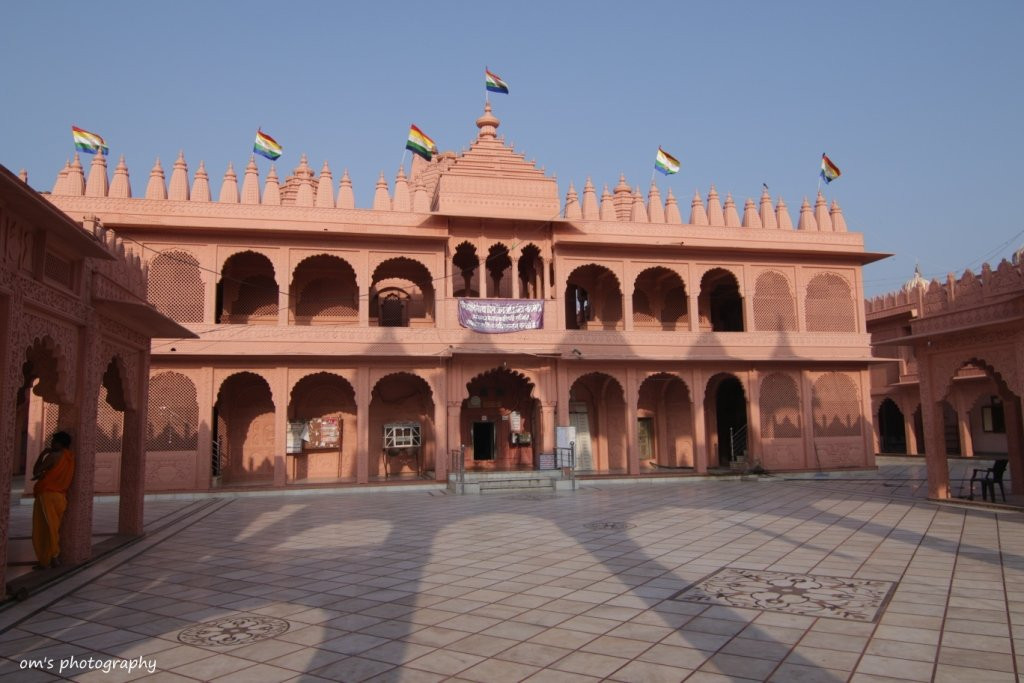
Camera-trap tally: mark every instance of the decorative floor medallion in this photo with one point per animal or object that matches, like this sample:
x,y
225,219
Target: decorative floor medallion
x,y
814,596
237,630
609,526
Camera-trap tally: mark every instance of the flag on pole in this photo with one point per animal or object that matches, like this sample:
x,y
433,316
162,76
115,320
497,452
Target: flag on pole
x,y
420,143
266,146
829,171
87,142
494,83
665,162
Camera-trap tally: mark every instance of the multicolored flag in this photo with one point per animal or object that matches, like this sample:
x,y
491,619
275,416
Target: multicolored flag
x,y
665,162
87,142
494,82
266,146
420,143
829,171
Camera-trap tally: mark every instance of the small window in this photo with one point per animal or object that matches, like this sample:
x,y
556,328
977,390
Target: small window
x,y
992,417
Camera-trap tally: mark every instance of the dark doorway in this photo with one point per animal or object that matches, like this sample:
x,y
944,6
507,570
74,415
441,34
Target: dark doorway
x,y
731,418
483,441
891,435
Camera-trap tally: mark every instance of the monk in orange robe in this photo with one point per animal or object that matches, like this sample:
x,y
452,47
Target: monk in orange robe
x,y
52,473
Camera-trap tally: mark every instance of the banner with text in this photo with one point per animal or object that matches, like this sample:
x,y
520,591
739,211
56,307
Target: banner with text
x,y
496,316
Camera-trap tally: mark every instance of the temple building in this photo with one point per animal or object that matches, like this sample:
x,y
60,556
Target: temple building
x,y
954,384
469,314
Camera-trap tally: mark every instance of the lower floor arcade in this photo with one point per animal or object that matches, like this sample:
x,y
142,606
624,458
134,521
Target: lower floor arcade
x,y
221,426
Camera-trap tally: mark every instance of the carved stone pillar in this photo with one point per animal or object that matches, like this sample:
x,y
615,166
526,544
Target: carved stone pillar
x,y
362,425
693,307
1014,422
280,426
754,450
454,430
910,434
10,381
547,428
934,439
963,422
632,440
132,486
440,434
700,437
811,460
79,418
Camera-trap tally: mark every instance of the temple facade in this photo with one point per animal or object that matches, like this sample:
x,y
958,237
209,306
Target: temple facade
x,y
471,313
953,382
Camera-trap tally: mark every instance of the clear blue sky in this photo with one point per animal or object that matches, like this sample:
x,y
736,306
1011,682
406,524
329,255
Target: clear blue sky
x,y
921,104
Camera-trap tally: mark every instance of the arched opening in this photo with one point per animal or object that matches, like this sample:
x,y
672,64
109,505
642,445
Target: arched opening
x,y
531,273
322,429
725,405
593,299
175,286
402,400
324,292
781,422
466,270
172,433
829,306
109,431
774,305
499,421
247,293
597,409
499,270
665,422
892,437
245,430
37,408
401,294
719,302
659,301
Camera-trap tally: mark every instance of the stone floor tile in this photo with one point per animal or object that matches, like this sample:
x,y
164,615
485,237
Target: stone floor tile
x,y
672,655
975,659
445,662
739,666
826,659
497,671
649,672
353,669
945,673
590,664
796,673
535,654
261,672
893,648
895,668
306,659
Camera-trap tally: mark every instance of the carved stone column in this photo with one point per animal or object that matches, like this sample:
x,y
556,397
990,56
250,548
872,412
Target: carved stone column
x,y
910,434
132,486
632,440
280,426
362,425
754,450
1014,422
700,437
934,439
10,381
963,421
79,418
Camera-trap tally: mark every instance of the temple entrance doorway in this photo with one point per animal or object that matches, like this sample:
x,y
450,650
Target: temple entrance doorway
x,y
892,436
500,420
483,441
725,404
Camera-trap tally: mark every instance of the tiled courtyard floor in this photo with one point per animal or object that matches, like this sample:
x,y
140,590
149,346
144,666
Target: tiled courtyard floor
x,y
698,580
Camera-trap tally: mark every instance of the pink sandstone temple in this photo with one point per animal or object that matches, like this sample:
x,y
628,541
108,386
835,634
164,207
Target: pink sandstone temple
x,y
331,342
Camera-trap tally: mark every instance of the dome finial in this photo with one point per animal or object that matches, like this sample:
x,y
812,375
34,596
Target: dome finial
x,y
488,123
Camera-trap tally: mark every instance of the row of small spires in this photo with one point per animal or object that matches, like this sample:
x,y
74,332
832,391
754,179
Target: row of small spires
x,y
628,205
304,188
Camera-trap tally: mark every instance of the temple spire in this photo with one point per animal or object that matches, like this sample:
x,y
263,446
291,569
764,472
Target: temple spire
x,y
272,188
402,200
381,199
75,182
325,188
821,216
838,222
304,195
178,189
346,197
420,200
573,211
97,185
806,218
782,215
767,215
639,211
61,181
155,188
201,184
698,214
655,210
591,211
607,206
120,186
751,219
251,182
732,219
672,214
623,199
229,187
715,216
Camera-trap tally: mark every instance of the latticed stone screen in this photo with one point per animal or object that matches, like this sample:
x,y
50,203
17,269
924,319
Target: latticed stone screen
x,y
780,407
58,269
327,298
50,413
176,287
836,405
109,426
774,306
829,305
173,419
